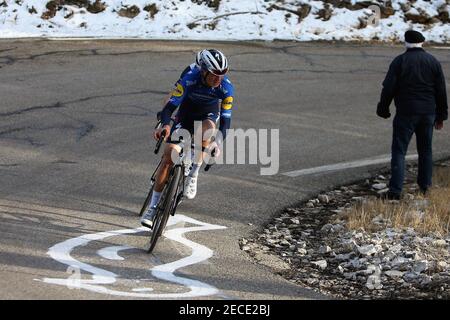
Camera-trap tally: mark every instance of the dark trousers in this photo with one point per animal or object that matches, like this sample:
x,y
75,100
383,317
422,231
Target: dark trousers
x,y
404,127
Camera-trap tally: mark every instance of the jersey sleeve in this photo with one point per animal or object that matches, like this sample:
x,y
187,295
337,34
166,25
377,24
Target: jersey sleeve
x,y
226,108
179,92
228,100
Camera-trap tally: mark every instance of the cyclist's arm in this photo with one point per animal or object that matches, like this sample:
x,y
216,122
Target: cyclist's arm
x,y
175,100
225,115
166,113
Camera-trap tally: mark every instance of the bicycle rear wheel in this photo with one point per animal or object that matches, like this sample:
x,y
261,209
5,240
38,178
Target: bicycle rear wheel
x,y
167,203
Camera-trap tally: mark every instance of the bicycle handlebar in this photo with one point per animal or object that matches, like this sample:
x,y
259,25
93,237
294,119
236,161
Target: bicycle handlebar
x,y
160,141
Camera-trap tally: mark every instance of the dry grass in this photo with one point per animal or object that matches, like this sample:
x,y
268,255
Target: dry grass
x,y
425,214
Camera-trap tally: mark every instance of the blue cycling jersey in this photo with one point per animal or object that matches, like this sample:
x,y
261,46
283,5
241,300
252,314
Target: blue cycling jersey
x,y
194,98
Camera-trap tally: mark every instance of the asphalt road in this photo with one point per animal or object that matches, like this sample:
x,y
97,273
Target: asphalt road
x,y
76,156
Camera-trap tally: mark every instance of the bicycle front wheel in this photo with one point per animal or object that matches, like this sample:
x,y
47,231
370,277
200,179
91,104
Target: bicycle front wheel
x,y
167,203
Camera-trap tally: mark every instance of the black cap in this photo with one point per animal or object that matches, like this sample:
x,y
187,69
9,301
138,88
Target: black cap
x,y
412,36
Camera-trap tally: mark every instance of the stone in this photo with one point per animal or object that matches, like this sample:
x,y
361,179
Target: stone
x,y
302,251
374,280
442,265
358,199
410,276
324,249
322,264
370,249
327,227
379,186
439,243
396,248
382,191
323,198
394,273
420,266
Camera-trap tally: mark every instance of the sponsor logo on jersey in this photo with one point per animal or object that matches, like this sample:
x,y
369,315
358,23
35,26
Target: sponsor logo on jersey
x,y
178,91
227,103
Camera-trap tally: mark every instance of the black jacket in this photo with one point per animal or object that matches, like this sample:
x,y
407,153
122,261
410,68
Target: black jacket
x,y
417,84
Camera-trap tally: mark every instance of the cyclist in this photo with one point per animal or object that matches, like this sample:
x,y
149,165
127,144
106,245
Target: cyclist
x,y
197,95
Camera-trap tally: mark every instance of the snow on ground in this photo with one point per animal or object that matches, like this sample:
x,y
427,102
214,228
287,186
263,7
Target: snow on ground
x,y
225,19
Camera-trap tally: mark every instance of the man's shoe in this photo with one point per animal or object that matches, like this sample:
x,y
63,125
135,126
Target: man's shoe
x,y
424,191
147,217
190,190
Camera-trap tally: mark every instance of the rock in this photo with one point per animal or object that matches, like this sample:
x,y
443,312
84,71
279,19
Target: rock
x,y
295,221
129,12
324,198
311,281
439,243
350,275
327,228
343,257
245,248
410,277
301,251
442,265
152,9
324,249
379,186
399,262
292,247
322,264
369,250
396,248
358,199
394,273
374,281
309,204
420,266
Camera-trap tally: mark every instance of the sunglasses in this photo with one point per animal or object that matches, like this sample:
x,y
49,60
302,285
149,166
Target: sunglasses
x,y
219,73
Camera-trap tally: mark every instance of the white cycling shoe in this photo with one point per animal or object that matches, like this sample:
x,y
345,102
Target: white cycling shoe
x,y
147,217
190,189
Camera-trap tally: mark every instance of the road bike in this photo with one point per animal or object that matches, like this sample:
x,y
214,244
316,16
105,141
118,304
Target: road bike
x,y
172,193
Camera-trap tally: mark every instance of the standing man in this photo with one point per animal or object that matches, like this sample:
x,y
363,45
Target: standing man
x,y
416,83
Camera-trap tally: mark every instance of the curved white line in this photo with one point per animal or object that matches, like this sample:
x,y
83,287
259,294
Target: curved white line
x,y
111,253
61,253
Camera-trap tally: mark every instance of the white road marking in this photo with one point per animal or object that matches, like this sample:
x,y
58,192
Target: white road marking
x,y
61,253
111,253
345,165
142,289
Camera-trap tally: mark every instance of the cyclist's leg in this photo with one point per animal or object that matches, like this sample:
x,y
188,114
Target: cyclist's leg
x,y
207,125
166,164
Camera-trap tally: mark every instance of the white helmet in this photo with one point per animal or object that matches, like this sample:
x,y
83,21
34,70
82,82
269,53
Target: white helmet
x,y
198,58
213,61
